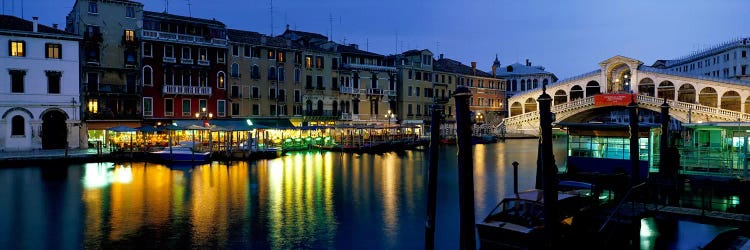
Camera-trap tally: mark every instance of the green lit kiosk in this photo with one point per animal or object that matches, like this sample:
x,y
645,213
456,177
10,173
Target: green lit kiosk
x,y
715,149
605,147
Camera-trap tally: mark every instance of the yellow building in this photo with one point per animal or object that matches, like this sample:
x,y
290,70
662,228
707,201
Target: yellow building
x,y
487,102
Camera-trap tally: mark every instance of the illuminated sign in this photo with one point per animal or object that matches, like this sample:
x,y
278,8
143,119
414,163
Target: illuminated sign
x,y
613,99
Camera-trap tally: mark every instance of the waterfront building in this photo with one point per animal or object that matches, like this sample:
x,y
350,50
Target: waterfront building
x,y
418,86
728,60
522,77
487,102
110,63
265,76
184,68
40,100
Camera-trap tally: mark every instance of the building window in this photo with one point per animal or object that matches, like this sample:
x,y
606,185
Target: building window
x,y
320,82
408,110
53,50
168,107
308,62
319,62
130,12
202,104
256,109
282,77
147,50
235,109
235,50
202,54
220,56
186,53
53,82
416,92
272,93
272,73
220,80
255,72
93,106
186,79
186,108
16,81
296,75
280,56
18,126
297,58
297,96
221,108
256,93
93,9
17,48
256,52
235,70
246,51
744,53
130,35
168,51
148,106
271,54
235,91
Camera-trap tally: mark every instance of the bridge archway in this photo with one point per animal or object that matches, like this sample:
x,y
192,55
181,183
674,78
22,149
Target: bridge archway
x,y
592,88
686,93
560,97
730,100
646,87
666,90
747,105
618,78
516,109
708,97
576,92
530,105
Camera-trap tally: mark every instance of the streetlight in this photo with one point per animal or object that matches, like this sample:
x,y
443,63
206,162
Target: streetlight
x,y
388,117
479,118
203,115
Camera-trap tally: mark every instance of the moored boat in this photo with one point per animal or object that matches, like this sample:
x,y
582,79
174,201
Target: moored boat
x,y
180,153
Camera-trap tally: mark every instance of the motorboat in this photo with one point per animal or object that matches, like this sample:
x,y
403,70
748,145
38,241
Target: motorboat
x,y
180,154
517,222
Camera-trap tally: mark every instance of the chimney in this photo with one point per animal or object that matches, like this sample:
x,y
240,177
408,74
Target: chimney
x,y
441,56
494,70
263,39
36,24
474,67
528,63
54,25
354,45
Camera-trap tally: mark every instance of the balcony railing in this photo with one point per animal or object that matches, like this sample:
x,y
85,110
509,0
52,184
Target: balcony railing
x,y
186,90
189,39
169,59
204,62
115,88
186,61
375,91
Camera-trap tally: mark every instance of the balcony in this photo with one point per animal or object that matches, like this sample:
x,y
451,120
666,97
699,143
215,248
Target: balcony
x,y
169,59
389,92
441,100
182,38
349,117
375,91
368,67
186,61
186,90
204,62
112,115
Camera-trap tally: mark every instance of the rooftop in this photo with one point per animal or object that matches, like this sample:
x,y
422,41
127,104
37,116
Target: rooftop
x,y
163,15
453,66
13,23
255,38
706,52
518,69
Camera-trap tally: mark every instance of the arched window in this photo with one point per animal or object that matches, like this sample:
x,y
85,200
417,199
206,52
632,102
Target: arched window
x,y
296,74
281,74
320,107
308,107
148,75
18,126
272,73
220,80
235,70
255,72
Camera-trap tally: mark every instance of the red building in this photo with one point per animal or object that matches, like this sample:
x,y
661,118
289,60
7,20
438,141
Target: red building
x,y
183,67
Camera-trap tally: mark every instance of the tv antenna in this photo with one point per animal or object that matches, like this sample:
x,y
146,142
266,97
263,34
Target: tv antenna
x,y
271,12
190,12
166,6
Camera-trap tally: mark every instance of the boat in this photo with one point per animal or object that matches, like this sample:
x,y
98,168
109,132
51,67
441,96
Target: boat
x,y
517,222
180,154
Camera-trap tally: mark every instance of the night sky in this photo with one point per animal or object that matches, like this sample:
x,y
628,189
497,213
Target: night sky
x,y
568,39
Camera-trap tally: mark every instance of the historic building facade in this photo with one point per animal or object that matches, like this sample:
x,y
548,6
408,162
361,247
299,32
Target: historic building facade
x,y
40,97
184,68
110,62
728,60
487,102
417,85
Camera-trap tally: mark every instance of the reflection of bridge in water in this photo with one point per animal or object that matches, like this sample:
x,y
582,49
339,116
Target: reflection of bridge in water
x,y
692,98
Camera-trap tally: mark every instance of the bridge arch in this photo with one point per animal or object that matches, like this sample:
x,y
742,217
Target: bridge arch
x,y
730,100
593,88
747,105
560,97
516,109
576,92
666,90
618,77
686,93
708,97
530,105
646,87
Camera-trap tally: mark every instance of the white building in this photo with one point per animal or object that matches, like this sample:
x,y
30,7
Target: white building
x,y
727,60
40,97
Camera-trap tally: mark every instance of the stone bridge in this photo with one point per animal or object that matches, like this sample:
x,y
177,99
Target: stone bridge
x,y
692,98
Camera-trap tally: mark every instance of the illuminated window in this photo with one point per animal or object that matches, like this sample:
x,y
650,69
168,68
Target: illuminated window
x,y
130,35
202,54
271,54
319,62
93,106
280,56
53,50
308,62
18,48
220,80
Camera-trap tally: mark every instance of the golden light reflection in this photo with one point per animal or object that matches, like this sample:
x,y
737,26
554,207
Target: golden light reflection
x,y
480,166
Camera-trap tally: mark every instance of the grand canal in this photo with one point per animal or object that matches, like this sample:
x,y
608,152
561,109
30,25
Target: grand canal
x,y
308,200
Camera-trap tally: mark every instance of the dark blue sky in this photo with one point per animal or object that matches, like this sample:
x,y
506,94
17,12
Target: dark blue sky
x,y
567,37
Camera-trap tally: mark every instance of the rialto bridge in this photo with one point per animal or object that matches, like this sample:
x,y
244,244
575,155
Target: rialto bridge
x,y
692,98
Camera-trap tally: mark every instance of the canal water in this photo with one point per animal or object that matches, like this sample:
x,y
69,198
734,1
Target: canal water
x,y
303,200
